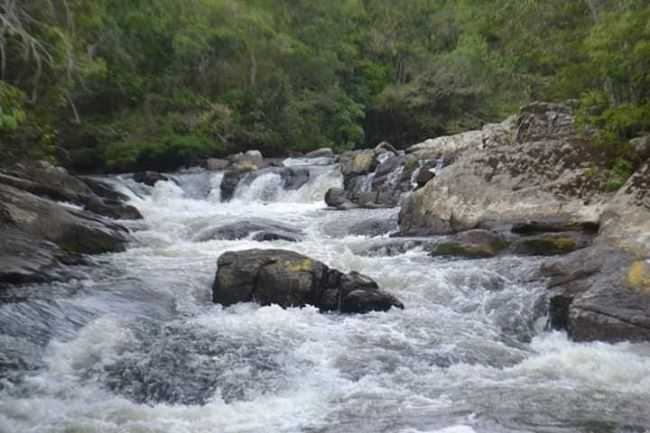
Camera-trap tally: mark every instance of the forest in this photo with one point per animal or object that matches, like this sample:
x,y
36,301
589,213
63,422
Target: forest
x,y
118,85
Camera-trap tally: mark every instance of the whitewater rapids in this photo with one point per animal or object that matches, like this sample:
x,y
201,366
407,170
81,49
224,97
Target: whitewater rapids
x,y
134,345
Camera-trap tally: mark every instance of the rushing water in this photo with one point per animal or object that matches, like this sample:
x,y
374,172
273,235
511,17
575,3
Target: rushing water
x,y
134,345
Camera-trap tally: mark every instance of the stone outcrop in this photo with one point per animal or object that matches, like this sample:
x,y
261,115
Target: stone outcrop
x,y
533,175
534,167
290,279
55,183
603,292
40,236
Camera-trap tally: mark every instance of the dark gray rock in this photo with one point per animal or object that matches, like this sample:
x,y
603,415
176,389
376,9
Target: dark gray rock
x,y
293,178
553,225
423,176
149,177
40,236
263,230
338,198
290,279
114,209
55,183
103,189
231,179
600,293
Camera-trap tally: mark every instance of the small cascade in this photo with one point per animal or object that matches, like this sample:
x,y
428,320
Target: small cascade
x,y
365,184
321,180
215,187
195,183
265,188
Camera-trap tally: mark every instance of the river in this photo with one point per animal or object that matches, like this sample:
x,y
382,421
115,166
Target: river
x,y
135,345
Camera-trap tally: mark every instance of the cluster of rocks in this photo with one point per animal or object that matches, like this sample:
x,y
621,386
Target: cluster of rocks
x,y
527,186
379,177
50,219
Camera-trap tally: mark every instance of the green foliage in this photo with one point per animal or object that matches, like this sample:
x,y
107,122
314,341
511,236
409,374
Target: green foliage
x,y
124,84
619,174
12,112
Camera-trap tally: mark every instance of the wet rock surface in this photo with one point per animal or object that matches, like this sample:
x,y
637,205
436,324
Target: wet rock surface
x,y
290,279
40,236
603,292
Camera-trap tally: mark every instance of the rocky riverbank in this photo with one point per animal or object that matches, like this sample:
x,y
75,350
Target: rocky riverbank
x,y
50,219
524,187
527,186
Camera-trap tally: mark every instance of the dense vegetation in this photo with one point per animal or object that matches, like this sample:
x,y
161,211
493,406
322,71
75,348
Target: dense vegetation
x,y
120,84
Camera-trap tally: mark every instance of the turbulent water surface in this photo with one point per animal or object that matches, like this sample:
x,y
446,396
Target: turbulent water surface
x,y
134,344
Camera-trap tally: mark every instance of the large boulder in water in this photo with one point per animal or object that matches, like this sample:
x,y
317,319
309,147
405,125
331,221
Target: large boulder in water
x,y
290,279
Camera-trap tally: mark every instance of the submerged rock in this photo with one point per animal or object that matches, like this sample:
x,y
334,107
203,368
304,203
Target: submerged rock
x,y
263,230
290,279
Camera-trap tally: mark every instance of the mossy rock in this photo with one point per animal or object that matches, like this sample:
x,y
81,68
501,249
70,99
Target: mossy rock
x,y
469,251
546,246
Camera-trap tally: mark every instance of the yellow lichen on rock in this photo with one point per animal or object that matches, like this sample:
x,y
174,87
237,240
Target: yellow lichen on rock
x,y
305,265
638,277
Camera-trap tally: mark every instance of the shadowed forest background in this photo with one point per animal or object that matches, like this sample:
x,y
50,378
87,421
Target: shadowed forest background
x,y
113,85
